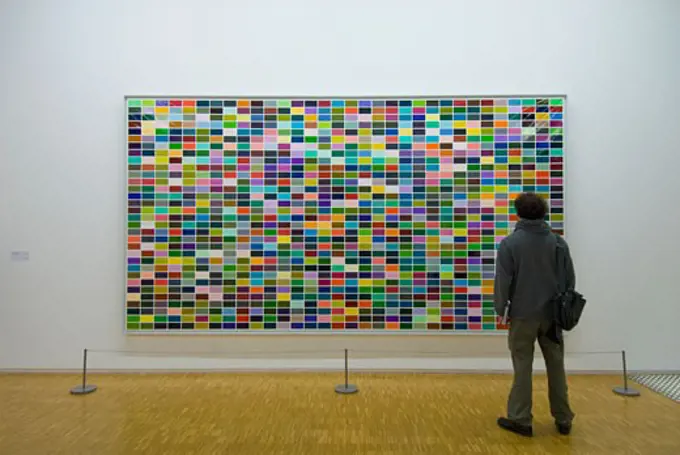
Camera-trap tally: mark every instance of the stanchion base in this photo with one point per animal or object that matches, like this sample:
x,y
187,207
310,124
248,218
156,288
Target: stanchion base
x,y
626,392
346,389
80,390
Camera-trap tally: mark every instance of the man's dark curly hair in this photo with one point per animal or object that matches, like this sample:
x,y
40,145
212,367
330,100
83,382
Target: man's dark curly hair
x,y
531,206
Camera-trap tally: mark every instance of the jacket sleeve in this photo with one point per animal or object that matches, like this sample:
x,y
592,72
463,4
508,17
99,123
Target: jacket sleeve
x,y
504,276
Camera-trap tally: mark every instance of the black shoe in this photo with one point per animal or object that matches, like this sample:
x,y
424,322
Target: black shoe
x,y
563,428
507,424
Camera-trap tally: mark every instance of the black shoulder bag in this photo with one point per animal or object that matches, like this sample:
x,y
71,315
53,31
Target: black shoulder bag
x,y
568,304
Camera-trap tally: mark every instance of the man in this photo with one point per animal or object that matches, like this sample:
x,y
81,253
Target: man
x,y
526,280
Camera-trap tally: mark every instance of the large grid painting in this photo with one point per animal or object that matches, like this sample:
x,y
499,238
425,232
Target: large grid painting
x,y
329,214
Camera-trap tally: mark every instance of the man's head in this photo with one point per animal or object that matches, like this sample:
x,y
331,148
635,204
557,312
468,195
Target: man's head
x,y
531,206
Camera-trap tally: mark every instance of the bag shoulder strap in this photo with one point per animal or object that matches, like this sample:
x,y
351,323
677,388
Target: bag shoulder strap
x,y
559,264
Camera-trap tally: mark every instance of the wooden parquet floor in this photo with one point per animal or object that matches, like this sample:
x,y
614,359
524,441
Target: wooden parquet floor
x,y
300,414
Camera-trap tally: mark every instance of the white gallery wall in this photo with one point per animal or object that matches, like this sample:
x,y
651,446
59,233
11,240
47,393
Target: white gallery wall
x,y
66,65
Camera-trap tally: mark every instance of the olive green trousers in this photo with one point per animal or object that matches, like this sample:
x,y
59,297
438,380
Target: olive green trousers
x,y
522,338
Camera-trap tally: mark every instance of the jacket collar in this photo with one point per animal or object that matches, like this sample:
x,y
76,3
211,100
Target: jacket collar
x,y
537,226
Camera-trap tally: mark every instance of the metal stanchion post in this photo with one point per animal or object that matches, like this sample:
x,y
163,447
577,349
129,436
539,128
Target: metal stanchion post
x,y
625,391
84,388
346,388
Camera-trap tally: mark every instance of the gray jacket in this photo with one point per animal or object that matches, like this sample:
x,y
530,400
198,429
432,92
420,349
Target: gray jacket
x,y
525,271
